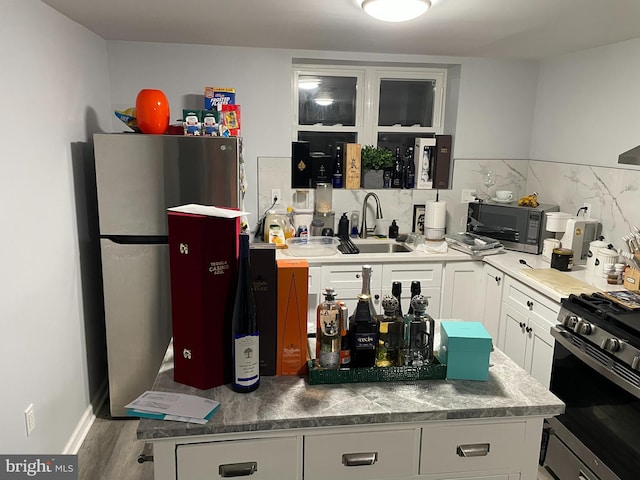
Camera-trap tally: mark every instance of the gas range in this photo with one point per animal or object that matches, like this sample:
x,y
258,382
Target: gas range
x,y
611,332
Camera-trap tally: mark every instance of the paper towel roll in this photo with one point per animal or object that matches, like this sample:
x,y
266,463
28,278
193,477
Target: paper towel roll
x,y
435,214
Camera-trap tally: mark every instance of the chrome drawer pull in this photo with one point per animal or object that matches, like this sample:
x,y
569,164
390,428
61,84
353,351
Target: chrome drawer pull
x,y
473,450
358,459
238,469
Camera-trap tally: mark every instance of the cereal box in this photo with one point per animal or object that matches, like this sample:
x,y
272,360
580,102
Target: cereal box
x,y
215,97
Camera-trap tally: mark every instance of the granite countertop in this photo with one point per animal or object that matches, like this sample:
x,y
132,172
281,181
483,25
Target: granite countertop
x,y
509,262
290,402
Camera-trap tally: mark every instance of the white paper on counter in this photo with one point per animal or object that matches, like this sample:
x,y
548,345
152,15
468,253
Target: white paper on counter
x,y
208,210
176,404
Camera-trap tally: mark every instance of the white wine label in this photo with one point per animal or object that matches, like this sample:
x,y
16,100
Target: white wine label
x,y
247,357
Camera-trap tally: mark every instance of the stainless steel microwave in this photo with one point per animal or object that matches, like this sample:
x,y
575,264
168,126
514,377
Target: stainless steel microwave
x,y
517,228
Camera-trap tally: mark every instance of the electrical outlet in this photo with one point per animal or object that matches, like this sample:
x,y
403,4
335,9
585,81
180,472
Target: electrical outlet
x,y
30,419
587,210
468,195
276,196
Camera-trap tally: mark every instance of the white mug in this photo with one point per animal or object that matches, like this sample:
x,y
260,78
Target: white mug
x,y
592,255
504,194
548,246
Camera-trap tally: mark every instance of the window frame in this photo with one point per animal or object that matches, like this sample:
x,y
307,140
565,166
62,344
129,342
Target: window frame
x,y
368,80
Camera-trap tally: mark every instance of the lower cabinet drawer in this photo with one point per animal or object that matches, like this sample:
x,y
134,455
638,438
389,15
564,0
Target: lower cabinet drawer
x,y
361,456
270,458
473,448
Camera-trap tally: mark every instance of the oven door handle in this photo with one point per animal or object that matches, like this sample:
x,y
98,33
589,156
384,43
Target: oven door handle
x,y
561,336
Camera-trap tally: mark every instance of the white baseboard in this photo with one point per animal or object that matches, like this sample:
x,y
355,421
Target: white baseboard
x,y
86,421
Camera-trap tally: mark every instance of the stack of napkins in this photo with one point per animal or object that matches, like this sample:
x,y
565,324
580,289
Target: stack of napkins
x,y
173,406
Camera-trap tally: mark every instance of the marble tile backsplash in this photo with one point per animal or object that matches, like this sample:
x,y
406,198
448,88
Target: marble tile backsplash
x,y
612,192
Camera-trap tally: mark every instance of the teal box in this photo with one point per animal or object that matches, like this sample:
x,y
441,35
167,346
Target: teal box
x,y
465,348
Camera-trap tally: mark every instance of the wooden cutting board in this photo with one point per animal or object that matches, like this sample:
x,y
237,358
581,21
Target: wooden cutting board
x,y
559,281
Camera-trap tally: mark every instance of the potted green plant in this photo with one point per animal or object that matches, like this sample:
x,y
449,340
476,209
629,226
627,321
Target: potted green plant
x,y
374,161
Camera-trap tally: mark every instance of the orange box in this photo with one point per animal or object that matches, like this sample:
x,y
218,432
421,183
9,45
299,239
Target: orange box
x,y
293,296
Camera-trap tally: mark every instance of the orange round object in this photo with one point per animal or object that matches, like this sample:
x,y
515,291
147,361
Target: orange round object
x,y
152,111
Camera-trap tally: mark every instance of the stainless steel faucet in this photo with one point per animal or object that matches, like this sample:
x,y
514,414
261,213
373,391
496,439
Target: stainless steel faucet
x,y
363,229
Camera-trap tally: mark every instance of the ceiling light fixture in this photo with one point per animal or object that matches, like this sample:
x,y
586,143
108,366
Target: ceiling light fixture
x,y
395,10
308,83
324,102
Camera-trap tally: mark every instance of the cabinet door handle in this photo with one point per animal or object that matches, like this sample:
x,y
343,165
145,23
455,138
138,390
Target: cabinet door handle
x,y
473,450
358,459
522,324
357,275
243,469
376,296
529,329
530,304
498,280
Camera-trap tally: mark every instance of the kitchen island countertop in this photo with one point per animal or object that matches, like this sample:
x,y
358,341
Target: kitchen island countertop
x,y
290,402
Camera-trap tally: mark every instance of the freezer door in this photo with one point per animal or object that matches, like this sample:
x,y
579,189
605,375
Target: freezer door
x,y
139,176
137,304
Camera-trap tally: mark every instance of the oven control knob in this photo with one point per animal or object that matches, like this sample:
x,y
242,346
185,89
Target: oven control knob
x,y
635,363
570,320
583,328
611,344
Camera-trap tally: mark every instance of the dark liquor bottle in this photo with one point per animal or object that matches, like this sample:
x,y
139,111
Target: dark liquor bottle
x,y
363,334
396,172
415,290
245,353
390,334
328,331
338,169
396,291
409,169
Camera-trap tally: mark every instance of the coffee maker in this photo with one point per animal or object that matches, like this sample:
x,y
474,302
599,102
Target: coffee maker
x,y
579,233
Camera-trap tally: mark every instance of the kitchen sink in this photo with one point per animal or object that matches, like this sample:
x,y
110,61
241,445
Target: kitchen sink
x,y
382,248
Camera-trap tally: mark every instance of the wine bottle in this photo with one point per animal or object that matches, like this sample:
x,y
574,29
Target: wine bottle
x,y
328,331
410,169
337,169
415,290
366,288
363,334
244,328
396,172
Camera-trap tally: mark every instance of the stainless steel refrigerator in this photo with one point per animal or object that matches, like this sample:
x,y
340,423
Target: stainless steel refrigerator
x,y
138,177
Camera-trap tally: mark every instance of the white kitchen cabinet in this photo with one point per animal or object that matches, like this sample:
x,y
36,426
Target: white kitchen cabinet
x,y
461,292
346,280
265,458
362,455
479,449
526,319
491,300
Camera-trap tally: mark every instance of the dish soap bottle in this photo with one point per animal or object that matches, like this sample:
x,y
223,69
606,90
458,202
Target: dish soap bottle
x,y
393,230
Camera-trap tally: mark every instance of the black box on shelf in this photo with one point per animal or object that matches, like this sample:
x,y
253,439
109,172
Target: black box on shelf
x,y
264,277
300,165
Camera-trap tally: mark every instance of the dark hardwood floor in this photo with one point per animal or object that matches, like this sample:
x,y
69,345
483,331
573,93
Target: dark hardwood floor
x,y
110,451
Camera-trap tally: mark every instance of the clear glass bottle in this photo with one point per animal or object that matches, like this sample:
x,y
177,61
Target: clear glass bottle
x,y
328,331
396,291
338,169
244,328
415,290
415,334
363,334
390,334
